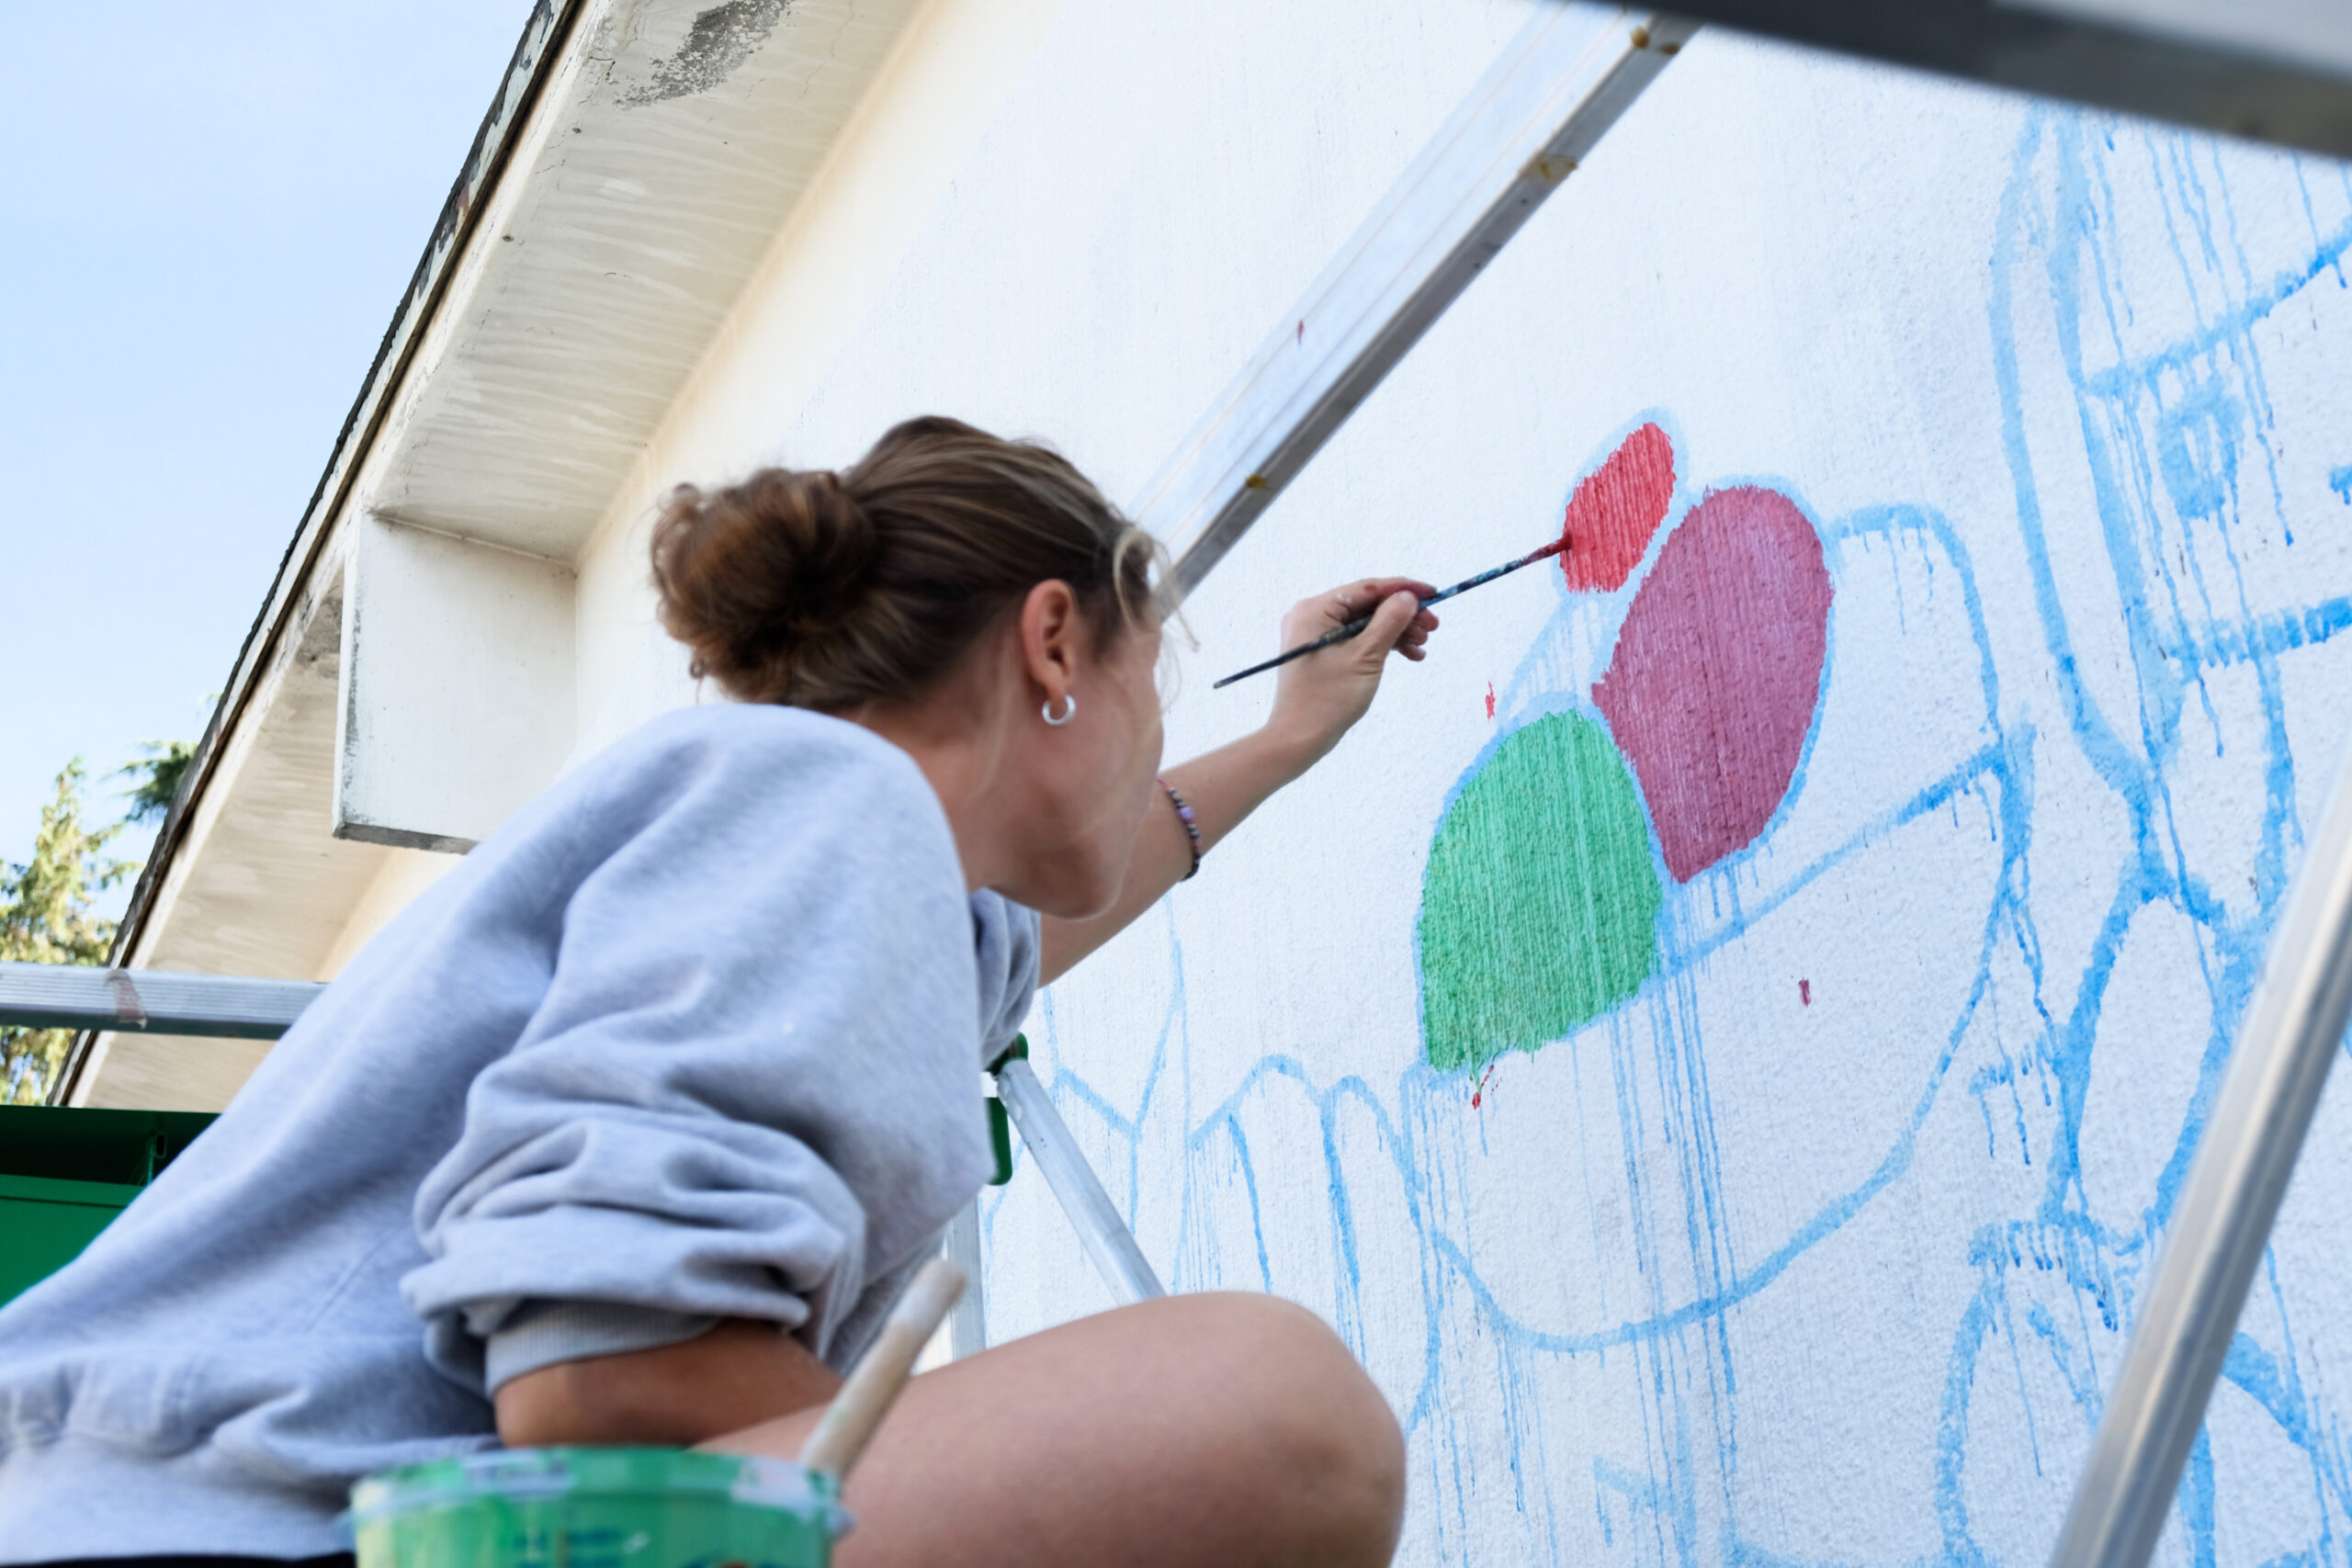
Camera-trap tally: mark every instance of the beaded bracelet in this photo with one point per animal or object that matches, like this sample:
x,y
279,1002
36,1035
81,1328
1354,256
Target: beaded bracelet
x,y
1192,828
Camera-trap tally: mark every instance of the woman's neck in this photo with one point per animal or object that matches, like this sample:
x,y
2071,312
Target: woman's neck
x,y
961,751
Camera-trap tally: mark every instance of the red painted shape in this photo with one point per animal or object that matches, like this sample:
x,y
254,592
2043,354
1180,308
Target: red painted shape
x,y
1479,1095
1717,670
1615,510
1490,699
1805,992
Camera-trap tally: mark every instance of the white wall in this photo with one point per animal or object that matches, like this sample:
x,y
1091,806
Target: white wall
x,y
946,78
1817,1247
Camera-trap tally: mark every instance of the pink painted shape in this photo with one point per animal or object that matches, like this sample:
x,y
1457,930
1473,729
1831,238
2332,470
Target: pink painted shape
x,y
1717,670
1615,510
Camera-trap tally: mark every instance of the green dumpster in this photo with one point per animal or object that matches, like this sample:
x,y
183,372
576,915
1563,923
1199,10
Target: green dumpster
x,y
64,1175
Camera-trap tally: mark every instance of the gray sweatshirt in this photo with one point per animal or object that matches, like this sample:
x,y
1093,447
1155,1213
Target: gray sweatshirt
x,y
696,1035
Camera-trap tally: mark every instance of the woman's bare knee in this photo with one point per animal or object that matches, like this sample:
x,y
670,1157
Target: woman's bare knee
x,y
1233,1429
1304,1443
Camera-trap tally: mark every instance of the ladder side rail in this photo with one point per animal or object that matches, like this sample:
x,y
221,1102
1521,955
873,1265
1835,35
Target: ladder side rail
x,y
1108,1242
1553,93
2286,1044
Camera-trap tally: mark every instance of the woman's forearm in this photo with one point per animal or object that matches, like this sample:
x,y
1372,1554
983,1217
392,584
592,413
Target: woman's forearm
x,y
736,1374
1316,700
1222,786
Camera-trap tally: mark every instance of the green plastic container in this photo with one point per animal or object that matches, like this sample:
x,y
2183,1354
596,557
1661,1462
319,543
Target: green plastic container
x,y
597,1508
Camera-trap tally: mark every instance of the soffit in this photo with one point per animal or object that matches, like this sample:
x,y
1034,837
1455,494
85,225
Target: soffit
x,y
262,887
659,174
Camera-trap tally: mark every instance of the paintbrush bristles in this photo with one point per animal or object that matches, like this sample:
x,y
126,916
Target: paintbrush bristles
x,y
1351,628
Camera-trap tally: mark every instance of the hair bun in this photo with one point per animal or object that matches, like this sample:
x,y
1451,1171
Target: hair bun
x,y
753,575
836,591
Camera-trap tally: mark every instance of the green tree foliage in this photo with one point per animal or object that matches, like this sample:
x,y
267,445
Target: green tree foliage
x,y
156,779
47,913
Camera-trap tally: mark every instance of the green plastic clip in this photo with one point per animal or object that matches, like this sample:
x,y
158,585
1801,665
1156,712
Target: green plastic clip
x,y
1000,1124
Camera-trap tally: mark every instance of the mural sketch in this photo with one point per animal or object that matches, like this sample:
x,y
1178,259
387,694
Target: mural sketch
x,y
1825,969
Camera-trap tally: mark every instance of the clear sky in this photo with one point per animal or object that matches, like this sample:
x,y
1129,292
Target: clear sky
x,y
210,213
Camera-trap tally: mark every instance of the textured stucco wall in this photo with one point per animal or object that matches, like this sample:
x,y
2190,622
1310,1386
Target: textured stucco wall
x,y
2003,563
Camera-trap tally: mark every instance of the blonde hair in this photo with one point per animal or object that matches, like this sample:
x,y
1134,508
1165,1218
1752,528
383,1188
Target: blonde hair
x,y
820,590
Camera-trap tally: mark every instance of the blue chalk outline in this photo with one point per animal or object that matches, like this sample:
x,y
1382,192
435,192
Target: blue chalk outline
x,y
2171,437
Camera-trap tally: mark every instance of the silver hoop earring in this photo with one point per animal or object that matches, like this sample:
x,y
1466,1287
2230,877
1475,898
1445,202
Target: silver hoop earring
x,y
1070,710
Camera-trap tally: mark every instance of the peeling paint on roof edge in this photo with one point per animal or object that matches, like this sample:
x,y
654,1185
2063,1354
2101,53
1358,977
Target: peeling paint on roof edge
x,y
720,40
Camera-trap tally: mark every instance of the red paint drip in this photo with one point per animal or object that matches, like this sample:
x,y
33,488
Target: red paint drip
x,y
1711,688
1490,699
1615,510
1804,993
1479,1094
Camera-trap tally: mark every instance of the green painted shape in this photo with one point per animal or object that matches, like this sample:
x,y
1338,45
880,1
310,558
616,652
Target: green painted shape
x,y
1538,909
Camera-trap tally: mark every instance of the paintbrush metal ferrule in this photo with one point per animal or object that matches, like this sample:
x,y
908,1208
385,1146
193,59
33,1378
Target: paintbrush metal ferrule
x,y
1343,632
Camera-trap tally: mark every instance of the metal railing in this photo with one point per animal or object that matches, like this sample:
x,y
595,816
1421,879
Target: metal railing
x,y
57,996
150,1001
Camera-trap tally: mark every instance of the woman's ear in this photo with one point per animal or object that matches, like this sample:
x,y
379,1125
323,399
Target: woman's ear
x,y
1052,638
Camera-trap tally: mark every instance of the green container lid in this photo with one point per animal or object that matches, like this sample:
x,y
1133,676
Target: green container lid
x,y
597,1508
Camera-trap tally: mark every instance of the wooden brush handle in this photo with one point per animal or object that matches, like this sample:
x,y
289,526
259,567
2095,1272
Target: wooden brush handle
x,y
848,1423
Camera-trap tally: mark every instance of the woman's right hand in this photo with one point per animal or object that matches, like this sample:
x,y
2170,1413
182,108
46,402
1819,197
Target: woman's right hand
x,y
1318,699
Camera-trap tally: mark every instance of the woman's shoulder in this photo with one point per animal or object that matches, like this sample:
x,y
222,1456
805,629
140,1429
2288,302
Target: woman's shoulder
x,y
727,769
762,725
766,741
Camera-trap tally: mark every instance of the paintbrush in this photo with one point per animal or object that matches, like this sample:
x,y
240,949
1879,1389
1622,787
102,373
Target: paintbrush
x,y
1342,633
842,1431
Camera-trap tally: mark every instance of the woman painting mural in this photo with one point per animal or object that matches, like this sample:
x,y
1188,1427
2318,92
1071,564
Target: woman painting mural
x,y
629,1128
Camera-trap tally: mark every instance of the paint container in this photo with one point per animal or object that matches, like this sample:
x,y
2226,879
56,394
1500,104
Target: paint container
x,y
597,1508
